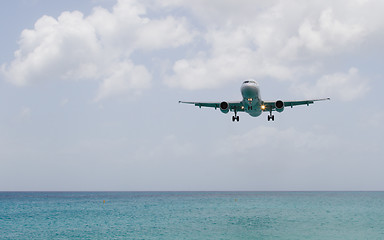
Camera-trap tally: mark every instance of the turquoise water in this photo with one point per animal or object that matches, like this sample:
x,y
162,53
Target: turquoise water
x,y
192,215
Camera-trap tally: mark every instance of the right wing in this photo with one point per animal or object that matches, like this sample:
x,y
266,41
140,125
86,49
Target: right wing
x,y
238,106
270,105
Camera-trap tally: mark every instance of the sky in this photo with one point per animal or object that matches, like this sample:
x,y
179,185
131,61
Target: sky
x,y
89,95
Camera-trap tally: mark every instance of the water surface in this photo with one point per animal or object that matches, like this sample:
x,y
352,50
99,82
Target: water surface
x,y
192,215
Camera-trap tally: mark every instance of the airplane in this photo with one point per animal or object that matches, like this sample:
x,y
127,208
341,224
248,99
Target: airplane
x,y
252,103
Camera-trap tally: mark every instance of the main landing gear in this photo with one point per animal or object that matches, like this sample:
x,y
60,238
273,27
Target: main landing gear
x,y
235,117
271,116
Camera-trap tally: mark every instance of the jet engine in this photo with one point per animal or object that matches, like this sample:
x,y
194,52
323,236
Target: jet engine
x,y
224,107
279,106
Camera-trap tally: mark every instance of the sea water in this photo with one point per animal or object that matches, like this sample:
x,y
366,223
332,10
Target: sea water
x,y
192,215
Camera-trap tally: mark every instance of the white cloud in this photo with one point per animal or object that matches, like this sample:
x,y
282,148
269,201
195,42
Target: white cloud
x,y
344,86
96,47
273,39
232,56
124,77
128,28
62,48
328,34
164,33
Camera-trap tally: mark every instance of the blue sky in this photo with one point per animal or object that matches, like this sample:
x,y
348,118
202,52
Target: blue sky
x,y
89,95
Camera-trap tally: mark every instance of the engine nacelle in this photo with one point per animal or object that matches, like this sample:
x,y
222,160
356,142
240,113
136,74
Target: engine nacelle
x,y
224,107
279,106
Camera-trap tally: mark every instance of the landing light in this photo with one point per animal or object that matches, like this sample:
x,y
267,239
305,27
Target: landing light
x,y
262,107
250,99
242,107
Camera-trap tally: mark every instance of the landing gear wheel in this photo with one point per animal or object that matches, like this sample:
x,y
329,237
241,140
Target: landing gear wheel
x,y
271,116
235,117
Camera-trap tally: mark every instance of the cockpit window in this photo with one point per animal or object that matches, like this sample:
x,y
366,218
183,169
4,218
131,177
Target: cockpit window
x,y
249,81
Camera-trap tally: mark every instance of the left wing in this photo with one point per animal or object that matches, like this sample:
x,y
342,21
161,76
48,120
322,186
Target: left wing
x,y
271,105
238,106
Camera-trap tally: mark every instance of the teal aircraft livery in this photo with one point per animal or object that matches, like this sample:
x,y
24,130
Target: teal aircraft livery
x,y
252,103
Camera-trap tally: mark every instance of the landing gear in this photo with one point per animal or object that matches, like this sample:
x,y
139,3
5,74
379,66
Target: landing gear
x,y
271,117
235,117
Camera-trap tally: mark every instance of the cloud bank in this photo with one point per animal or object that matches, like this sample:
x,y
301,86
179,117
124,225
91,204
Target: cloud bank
x,y
96,47
288,41
222,42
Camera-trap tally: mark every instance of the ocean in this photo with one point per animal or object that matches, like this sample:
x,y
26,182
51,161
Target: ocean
x,y
192,215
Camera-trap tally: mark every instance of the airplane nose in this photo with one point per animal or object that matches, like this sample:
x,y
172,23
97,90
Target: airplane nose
x,y
247,91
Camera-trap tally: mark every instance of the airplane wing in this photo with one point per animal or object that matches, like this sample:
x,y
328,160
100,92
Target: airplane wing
x,y
271,105
232,105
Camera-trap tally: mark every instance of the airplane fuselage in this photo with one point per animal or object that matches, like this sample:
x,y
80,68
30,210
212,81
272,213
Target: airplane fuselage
x,y
251,98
